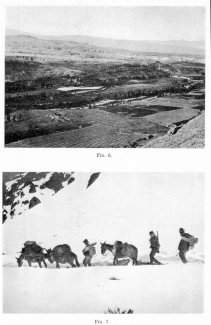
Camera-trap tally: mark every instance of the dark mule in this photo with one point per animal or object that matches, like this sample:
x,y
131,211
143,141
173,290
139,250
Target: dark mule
x,y
123,250
32,258
60,255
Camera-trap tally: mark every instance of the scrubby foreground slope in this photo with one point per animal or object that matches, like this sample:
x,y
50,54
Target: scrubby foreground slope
x,y
144,289
191,135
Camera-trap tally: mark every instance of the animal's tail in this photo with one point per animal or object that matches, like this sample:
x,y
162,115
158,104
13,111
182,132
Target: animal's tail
x,y
76,261
136,256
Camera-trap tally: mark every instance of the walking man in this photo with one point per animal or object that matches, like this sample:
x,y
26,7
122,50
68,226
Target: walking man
x,y
186,243
155,246
89,251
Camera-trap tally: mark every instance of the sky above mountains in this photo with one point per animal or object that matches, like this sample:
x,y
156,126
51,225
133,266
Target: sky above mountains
x,y
131,23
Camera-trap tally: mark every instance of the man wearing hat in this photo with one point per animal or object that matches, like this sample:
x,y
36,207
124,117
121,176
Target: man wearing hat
x,y
155,246
89,251
186,243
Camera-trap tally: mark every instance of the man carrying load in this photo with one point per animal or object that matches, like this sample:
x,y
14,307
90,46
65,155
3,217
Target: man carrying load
x,y
186,243
89,251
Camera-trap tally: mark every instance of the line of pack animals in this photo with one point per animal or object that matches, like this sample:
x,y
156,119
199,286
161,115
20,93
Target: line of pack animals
x,y
62,254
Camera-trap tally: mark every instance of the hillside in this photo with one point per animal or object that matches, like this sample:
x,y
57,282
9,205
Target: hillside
x,y
190,135
173,46
23,191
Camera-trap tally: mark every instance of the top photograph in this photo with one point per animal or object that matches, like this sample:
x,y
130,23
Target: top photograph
x,y
105,77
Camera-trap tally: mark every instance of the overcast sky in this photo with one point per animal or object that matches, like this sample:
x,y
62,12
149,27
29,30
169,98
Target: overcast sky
x,y
132,23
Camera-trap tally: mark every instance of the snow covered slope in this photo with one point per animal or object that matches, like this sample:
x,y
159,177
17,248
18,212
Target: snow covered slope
x,y
118,206
144,289
23,191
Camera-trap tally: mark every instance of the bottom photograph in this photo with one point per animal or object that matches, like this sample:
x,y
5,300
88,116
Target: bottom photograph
x,y
103,243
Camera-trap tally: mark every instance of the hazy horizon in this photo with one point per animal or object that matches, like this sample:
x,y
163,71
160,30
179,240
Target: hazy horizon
x,y
121,23
52,35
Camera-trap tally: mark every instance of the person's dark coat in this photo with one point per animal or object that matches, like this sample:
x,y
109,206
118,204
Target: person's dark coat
x,y
154,243
184,245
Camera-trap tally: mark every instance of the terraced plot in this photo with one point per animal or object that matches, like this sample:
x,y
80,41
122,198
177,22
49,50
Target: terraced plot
x,y
106,126
177,116
90,137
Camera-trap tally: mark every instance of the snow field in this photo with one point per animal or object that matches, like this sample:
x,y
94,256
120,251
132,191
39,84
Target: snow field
x,y
144,289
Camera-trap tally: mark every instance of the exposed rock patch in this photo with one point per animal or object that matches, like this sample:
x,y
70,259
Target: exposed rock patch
x,y
33,202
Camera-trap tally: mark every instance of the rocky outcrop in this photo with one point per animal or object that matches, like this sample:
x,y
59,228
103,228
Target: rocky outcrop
x,y
23,191
33,202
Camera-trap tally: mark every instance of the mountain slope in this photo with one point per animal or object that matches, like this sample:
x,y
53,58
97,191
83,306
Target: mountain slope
x,y
173,46
23,191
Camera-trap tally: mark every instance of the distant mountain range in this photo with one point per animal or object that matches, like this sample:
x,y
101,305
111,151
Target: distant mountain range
x,y
172,46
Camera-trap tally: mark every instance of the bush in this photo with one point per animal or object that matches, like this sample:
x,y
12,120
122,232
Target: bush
x,y
117,311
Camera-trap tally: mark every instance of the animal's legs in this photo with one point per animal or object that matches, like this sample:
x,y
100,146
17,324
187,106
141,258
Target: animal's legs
x,y
71,262
76,261
115,261
29,262
57,265
39,262
45,263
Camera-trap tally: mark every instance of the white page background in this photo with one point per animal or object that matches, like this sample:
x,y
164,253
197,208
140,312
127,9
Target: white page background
x,y
140,160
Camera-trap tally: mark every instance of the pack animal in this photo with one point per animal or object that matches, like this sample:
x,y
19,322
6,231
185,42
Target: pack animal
x,y
120,251
32,258
32,253
62,254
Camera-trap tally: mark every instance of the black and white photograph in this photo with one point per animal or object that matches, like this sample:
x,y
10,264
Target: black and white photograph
x,y
103,243
92,227
105,76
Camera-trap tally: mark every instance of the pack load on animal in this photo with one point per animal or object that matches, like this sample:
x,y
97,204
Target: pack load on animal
x,y
119,248
62,249
31,248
